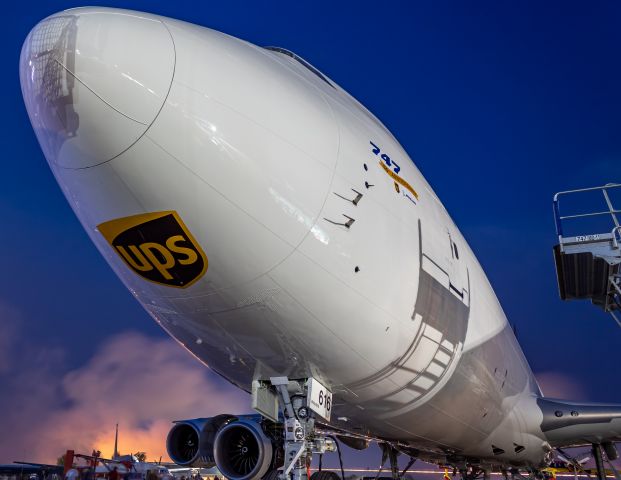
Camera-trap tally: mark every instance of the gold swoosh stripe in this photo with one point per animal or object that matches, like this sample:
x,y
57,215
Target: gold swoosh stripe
x,y
398,179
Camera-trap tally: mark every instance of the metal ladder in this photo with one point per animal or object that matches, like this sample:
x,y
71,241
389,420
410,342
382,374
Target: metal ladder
x,y
589,266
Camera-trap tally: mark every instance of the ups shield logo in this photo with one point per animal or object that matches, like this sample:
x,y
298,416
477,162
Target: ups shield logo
x,y
158,247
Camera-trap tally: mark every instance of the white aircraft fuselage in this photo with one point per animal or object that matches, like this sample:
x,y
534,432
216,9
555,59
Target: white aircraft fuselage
x,y
273,226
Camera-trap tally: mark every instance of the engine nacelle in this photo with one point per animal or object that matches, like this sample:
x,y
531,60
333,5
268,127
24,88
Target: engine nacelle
x,y
190,442
243,451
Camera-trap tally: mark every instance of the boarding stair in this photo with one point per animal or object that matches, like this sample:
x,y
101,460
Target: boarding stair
x,y
588,265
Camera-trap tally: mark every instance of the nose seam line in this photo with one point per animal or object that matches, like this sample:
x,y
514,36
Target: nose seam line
x,y
96,94
172,79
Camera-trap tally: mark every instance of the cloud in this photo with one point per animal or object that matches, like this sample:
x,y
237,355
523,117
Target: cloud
x,y
558,385
143,383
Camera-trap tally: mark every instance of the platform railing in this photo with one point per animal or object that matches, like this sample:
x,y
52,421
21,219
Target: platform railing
x,y
613,212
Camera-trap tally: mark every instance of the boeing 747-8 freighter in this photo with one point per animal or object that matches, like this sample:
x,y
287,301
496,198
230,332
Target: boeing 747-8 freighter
x,y
277,230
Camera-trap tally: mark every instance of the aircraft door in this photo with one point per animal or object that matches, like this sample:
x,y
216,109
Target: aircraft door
x,y
457,270
441,256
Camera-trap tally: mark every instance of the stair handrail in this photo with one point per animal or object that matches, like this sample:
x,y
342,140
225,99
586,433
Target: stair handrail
x,y
616,236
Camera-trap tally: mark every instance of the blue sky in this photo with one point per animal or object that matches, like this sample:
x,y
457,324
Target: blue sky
x,y
500,104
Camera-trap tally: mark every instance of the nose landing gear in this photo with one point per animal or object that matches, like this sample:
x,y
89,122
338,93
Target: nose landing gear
x,y
299,401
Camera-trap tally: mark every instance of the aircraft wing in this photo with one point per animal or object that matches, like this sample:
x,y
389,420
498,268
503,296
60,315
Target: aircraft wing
x,y
28,468
572,424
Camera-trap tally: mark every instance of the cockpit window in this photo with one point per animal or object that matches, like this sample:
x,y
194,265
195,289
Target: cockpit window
x,y
301,61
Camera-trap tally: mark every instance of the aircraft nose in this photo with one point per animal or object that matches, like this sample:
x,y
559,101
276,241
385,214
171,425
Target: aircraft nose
x,y
93,81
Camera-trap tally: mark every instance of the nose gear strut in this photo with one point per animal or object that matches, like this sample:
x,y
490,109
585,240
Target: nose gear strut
x,y
301,439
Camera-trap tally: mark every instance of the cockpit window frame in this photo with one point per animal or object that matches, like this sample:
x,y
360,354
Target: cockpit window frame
x,y
300,60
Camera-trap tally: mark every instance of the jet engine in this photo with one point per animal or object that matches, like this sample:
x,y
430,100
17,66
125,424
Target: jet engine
x,y
243,451
190,442
243,448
